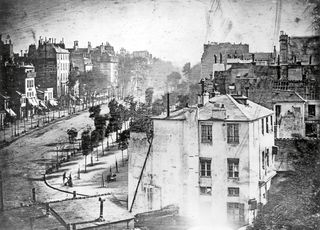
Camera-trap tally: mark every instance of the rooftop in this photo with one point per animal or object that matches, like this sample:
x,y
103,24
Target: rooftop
x,y
222,107
286,96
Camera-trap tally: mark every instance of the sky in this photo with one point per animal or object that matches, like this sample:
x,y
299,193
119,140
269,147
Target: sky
x,y
174,30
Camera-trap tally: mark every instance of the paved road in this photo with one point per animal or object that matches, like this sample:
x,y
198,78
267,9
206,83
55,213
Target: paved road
x,y
24,162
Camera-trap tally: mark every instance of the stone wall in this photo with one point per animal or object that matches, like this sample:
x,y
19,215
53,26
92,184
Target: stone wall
x,y
210,51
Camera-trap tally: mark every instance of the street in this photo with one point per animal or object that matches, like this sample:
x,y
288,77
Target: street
x,y
24,162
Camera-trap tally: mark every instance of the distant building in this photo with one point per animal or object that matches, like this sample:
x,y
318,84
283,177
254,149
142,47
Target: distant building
x,y
215,162
80,57
214,53
142,54
22,90
105,63
295,116
52,64
299,50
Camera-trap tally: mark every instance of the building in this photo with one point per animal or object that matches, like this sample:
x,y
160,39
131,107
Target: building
x,y
289,109
105,62
215,162
52,65
214,53
299,50
80,57
22,90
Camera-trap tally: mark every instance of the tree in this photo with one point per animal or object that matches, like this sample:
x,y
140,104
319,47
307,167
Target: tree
x,y
186,70
183,100
72,133
149,95
86,145
173,80
293,199
94,111
316,16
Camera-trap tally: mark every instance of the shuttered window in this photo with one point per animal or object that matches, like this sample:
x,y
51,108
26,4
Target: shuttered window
x,y
233,133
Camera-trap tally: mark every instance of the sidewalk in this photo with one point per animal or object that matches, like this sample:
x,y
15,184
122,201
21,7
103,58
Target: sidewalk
x,y
23,126
94,180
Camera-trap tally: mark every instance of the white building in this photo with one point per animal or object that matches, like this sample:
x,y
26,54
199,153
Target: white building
x,y
295,116
214,162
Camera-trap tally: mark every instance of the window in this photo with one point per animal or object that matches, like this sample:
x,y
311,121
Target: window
x,y
29,83
262,126
263,161
267,125
205,190
271,123
233,168
233,133
205,167
233,191
311,110
267,157
235,212
206,133
278,111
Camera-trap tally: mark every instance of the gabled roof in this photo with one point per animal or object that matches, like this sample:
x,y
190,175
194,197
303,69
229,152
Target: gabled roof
x,y
286,96
234,111
222,107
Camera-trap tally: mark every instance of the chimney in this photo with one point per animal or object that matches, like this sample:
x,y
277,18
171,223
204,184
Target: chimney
x,y
75,45
168,105
205,98
310,59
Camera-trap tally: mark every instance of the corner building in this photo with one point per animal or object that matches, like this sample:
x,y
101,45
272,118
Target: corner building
x,y
214,162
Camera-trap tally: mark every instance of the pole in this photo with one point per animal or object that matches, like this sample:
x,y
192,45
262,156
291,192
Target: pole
x,y
122,156
18,126
85,163
11,129
98,153
1,193
101,209
24,124
102,148
79,172
4,133
15,127
34,194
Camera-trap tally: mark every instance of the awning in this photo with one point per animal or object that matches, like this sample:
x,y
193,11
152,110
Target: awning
x,y
11,113
42,104
32,101
53,102
73,98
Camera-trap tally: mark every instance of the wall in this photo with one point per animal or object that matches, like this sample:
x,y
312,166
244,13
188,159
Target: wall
x,y
137,151
209,50
291,121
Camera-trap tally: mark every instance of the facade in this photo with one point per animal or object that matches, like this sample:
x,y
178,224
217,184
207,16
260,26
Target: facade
x,y
302,50
52,66
105,62
80,57
21,89
219,53
214,162
289,109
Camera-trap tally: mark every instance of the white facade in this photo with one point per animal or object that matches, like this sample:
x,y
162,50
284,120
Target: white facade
x,y
63,69
209,161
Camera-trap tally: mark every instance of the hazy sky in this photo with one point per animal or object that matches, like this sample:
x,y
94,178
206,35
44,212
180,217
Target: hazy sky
x,y
174,30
